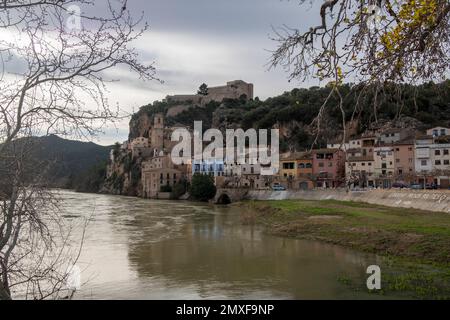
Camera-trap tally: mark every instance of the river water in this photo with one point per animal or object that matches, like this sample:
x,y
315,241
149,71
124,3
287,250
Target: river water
x,y
147,249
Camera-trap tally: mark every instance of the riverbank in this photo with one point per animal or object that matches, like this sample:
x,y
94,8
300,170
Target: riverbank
x,y
415,244
427,200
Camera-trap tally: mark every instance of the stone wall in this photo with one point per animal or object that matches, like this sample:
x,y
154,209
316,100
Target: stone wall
x,y
233,194
431,200
176,110
232,90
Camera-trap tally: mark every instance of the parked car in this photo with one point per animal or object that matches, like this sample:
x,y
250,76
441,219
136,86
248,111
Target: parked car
x,y
399,185
278,188
416,186
431,186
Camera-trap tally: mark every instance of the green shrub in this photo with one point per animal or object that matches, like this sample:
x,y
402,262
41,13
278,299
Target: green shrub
x,y
166,188
202,187
179,189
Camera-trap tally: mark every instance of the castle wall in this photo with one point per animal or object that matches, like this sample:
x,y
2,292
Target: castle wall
x,y
232,90
194,98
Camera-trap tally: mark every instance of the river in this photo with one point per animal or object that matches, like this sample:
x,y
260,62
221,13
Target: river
x,y
147,249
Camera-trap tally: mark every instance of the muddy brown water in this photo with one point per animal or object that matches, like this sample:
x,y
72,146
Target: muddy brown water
x,y
147,249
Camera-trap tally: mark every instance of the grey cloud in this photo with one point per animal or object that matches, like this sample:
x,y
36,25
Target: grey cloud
x,y
212,41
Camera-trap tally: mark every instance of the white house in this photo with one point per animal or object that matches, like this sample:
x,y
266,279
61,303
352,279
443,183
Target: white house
x,y
438,132
384,161
423,159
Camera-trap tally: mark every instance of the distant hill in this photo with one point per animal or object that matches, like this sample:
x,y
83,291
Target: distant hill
x,y
63,160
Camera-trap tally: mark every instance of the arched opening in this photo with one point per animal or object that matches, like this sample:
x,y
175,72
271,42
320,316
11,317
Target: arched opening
x,y
224,199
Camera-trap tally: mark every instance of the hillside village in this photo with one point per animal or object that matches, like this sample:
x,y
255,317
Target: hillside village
x,y
383,158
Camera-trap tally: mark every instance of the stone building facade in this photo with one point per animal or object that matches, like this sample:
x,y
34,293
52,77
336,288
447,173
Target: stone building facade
x,y
157,132
329,167
232,90
160,171
404,165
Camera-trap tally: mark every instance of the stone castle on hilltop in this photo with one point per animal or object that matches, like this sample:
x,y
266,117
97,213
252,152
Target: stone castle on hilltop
x,y
232,90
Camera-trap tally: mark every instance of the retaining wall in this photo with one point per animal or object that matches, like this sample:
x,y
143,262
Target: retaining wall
x,y
431,200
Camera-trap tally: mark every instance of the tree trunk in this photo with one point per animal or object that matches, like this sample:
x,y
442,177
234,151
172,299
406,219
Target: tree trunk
x,y
4,295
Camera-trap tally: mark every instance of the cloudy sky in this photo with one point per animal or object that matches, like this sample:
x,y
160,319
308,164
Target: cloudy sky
x,y
211,41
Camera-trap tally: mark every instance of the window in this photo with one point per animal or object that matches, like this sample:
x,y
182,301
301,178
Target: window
x,y
445,152
321,165
370,164
397,160
424,162
442,132
288,165
437,152
447,162
363,164
438,162
330,164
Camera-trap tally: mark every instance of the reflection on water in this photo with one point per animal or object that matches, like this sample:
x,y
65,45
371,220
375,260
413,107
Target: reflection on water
x,y
145,249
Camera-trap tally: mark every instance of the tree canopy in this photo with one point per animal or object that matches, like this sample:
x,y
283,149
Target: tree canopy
x,y
369,41
203,90
202,187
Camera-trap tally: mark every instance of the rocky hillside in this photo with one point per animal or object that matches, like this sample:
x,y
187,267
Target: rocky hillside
x,y
125,175
294,113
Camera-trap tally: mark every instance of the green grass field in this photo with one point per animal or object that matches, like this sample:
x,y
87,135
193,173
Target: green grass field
x,y
415,243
